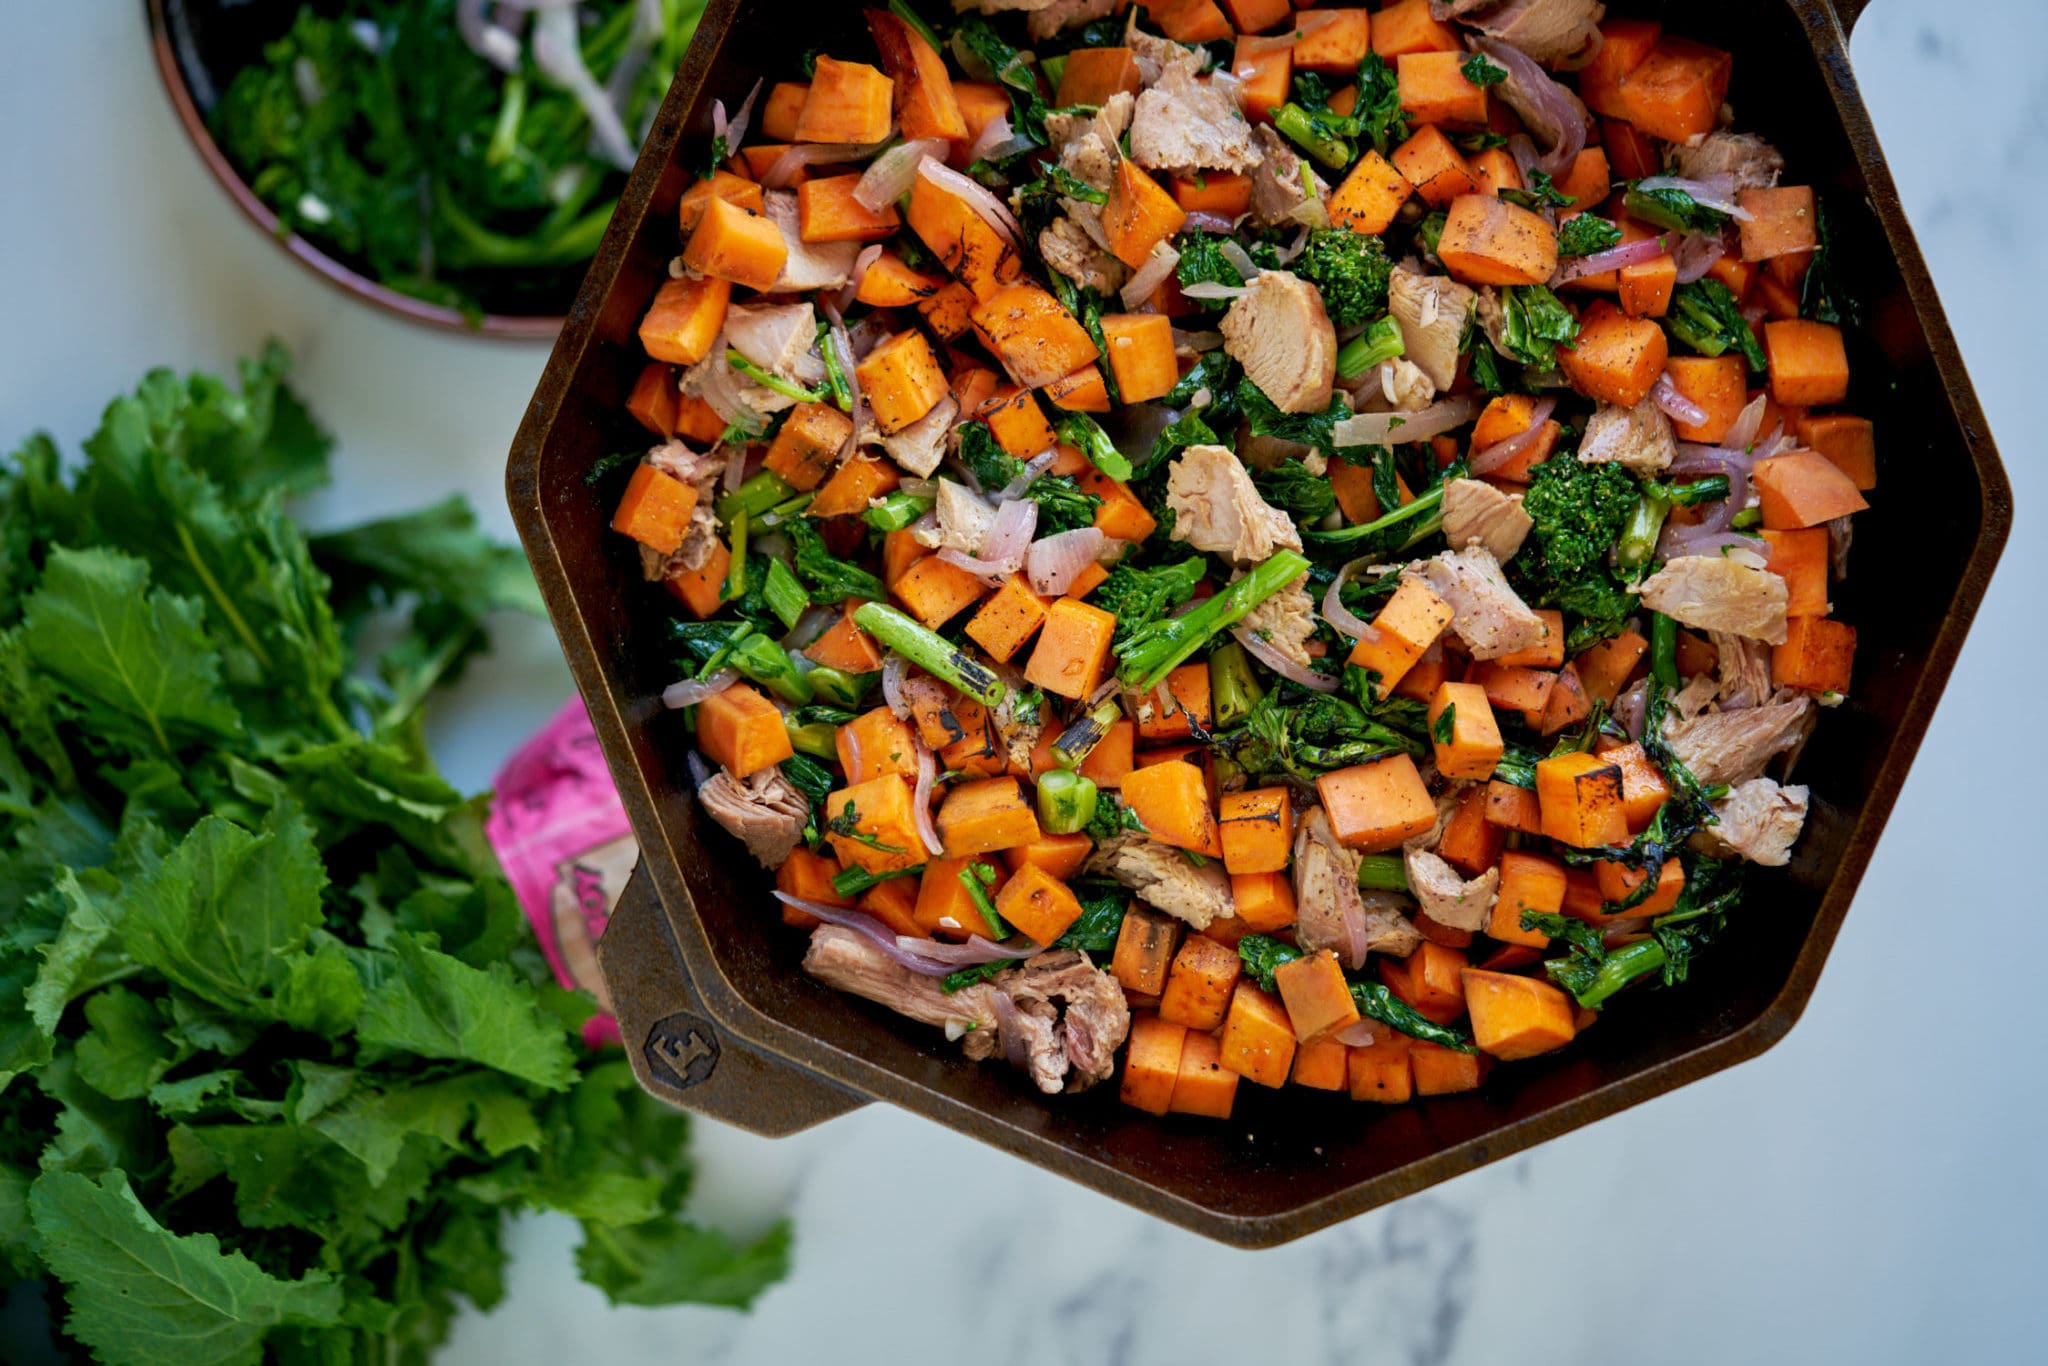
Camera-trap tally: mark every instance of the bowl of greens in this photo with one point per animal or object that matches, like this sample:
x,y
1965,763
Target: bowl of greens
x,y
451,161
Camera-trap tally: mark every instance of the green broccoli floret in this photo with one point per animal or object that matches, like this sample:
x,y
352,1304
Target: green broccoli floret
x,y
1350,269
1579,511
1137,596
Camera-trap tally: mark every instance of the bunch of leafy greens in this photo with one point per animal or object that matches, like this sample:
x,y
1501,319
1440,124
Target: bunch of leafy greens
x,y
373,130
277,1055
1578,511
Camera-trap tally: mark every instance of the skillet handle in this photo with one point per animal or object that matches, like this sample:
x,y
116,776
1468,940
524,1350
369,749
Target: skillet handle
x,y
1847,12
678,1054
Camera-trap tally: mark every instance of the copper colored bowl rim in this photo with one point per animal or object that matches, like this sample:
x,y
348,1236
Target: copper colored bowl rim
x,y
515,326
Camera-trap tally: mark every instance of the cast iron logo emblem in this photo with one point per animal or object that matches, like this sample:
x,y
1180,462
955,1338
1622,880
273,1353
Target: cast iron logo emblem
x,y
682,1050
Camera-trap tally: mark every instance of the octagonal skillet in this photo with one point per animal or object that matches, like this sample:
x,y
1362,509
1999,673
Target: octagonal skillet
x,y
719,1017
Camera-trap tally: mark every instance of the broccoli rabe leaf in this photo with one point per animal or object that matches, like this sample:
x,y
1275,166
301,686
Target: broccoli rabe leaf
x,y
1822,296
1482,72
1586,235
1673,209
1306,429
1291,733
832,578
1535,323
1290,487
1705,316
1102,916
1378,106
1202,262
1136,597
1349,269
982,456
1061,504
1542,193
1111,819
1262,955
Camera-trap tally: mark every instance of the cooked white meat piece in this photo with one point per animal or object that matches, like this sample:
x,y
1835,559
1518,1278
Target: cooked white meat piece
x,y
1490,618
1751,162
1068,249
678,461
1286,621
1447,898
920,447
810,265
715,375
963,520
1840,531
1392,386
1477,513
1162,877
1431,311
1186,124
1733,746
1001,6
1725,592
1548,30
1218,509
1158,54
1744,666
1639,439
1108,123
1759,821
776,337
1280,333
1072,1015
700,538
849,961
765,811
1329,909
1061,15
1277,187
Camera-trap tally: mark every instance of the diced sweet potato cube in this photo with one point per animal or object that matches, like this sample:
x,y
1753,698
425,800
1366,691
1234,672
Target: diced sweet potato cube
x,y
1258,829
1643,788
1434,90
1038,904
1018,423
702,589
902,380
1037,340
894,903
1317,997
1848,442
1140,351
1008,619
1199,984
1139,215
876,743
1084,391
860,479
1580,795
1513,808
1371,196
1434,167
1205,1087
1377,806
1073,646
1528,882
1264,901
1676,92
1320,1065
1379,1071
1605,668
1800,558
732,244
1093,74
1617,358
1517,1017
1473,747
808,876
1184,709
1471,843
737,190
1121,516
685,319
1258,1040
808,446
945,906
1060,855
1441,1071
1817,655
1407,26
1489,241
1809,365
1332,41
884,834
936,592
1618,882
984,816
1264,68
655,509
1406,626
1172,799
1568,704
827,212
742,730
781,110
979,257
1804,489
926,105
1152,1064
847,102
1144,950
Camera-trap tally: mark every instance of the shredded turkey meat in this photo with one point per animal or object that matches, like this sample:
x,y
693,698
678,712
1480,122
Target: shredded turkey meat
x,y
1279,331
1748,160
1759,821
1161,875
810,265
1733,745
1278,189
1060,15
1489,617
962,518
765,811
1548,30
1477,513
1744,666
1068,249
1074,1018
1730,592
849,961
1445,897
1286,621
1639,439
1431,311
1218,509
920,447
1189,125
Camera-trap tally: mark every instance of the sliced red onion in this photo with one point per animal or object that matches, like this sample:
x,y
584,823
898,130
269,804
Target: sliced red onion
x,y
862,263
1579,61
1743,430
815,621
1213,289
976,950
860,922
1269,655
1340,616
1201,220
921,800
1715,192
1614,258
1009,535
1385,429
1352,919
1035,466
736,131
1054,563
699,768
1289,253
1629,708
991,210
992,573
691,691
1015,1051
793,159
486,39
1552,113
1196,343
888,178
1675,541
1360,1035
842,347
993,134
1676,406
1158,268
1240,260
895,669
1697,252
558,52
1692,458
1772,444
1501,453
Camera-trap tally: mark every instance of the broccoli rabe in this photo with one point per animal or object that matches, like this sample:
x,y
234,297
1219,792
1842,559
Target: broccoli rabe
x,y
1308,121
1379,342
1407,525
1535,323
1587,234
1673,209
1202,262
1349,269
1305,429
1378,106
1578,511
833,578
1288,734
1705,316
1152,651
1137,597
1291,488
1061,504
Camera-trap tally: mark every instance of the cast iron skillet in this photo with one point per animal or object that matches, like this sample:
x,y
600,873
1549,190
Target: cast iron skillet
x,y
718,1015
199,46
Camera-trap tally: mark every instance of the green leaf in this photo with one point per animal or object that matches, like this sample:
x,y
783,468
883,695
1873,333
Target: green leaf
x,y
141,1294
20,1256
669,1261
137,664
223,915
124,1052
284,1175
85,952
439,1007
437,552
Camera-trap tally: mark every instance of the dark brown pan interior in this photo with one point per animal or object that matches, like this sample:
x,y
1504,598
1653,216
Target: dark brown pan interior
x,y
1292,1161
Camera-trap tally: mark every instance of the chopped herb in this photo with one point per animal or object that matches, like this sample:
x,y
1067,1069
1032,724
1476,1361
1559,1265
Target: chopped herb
x,y
1482,72
846,825
1587,235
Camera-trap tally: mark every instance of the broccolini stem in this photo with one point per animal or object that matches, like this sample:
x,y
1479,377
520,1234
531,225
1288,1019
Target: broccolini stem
x,y
1156,649
736,573
1297,124
1638,541
897,511
1077,741
768,379
931,652
1379,342
836,381
1623,966
1664,649
764,491
1081,430
1383,873
1233,689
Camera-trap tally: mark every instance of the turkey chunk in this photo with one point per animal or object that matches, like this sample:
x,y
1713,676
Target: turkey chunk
x,y
1491,619
1749,161
1218,509
1548,30
1445,897
1162,877
1186,124
1278,191
1732,746
1731,593
1759,821
1639,439
1431,311
1477,513
1280,333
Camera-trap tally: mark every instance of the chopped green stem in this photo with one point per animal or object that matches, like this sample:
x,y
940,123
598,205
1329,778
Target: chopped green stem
x,y
1157,648
1664,649
931,652
817,739
736,572
1298,126
785,594
768,379
1379,342
902,10
1077,741
836,381
762,661
505,134
1233,688
764,491
1712,489
858,881
1638,541
977,892
1081,430
897,511
1621,967
1383,873
1066,801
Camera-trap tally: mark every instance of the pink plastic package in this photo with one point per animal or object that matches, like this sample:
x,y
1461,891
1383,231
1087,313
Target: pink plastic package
x,y
568,849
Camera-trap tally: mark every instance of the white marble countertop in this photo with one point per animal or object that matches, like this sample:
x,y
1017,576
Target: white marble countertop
x,y
1871,1190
